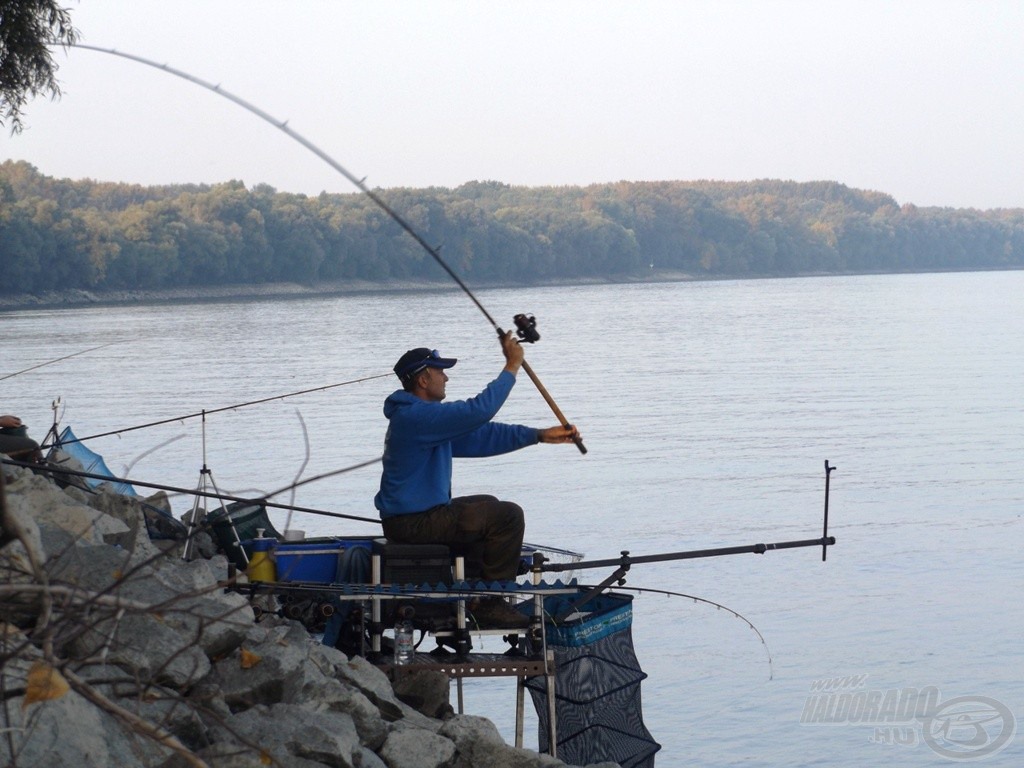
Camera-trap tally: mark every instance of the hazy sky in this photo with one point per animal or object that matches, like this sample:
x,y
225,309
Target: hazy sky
x,y
922,100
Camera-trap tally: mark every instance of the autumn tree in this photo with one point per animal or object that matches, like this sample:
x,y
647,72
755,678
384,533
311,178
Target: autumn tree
x,y
27,30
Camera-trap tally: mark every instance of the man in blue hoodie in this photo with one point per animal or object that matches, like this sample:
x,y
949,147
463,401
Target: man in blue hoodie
x,y
424,434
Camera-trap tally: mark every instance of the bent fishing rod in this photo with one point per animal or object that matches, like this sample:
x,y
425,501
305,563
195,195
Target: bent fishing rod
x,y
360,184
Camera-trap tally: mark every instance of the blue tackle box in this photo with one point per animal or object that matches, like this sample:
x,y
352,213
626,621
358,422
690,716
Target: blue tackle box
x,y
314,560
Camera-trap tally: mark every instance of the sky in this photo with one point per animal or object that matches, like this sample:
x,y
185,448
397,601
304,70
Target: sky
x,y
923,100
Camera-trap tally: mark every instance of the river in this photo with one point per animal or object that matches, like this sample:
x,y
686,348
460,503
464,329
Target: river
x,y
709,409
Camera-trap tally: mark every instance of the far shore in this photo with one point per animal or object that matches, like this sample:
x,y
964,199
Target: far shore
x,y
78,298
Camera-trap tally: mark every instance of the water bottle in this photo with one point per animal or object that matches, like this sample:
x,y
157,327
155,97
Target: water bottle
x,y
404,649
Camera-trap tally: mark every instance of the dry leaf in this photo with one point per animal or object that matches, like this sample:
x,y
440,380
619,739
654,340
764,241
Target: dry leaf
x,y
265,759
250,659
43,684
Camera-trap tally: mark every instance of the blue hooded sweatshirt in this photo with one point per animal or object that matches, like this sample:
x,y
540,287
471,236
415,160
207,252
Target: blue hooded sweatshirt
x,y
423,436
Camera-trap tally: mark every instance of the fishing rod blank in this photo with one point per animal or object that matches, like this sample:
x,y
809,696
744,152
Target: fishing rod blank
x,y
234,407
204,494
626,560
57,360
360,184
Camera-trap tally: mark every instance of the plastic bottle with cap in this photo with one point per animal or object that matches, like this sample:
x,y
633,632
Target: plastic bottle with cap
x,y
404,646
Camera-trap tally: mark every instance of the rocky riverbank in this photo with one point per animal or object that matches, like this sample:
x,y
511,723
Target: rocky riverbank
x,y
116,652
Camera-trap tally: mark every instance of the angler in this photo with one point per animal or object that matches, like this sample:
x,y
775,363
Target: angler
x,y
415,501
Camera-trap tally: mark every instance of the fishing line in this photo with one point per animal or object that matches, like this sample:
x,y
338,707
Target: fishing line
x,y
58,359
360,184
131,465
224,408
741,617
367,463
302,467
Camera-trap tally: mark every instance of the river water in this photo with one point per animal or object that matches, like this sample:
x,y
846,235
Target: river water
x,y
709,410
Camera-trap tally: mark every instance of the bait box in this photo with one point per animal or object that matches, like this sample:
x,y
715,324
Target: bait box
x,y
313,560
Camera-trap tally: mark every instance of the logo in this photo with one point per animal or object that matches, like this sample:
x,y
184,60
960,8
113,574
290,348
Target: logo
x,y
960,728
969,727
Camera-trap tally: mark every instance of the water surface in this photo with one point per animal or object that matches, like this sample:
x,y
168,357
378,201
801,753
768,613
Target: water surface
x,y
709,410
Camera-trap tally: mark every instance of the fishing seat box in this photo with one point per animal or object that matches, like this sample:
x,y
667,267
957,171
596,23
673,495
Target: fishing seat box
x,y
417,564
314,560
413,563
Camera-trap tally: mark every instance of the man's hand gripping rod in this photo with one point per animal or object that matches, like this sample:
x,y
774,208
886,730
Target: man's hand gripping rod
x,y
527,331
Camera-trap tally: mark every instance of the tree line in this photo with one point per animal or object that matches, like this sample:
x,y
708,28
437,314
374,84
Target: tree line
x,y
60,234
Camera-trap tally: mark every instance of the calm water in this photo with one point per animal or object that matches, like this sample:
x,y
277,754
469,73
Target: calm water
x,y
709,410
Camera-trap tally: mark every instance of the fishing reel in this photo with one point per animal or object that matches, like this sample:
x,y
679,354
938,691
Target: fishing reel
x,y
526,328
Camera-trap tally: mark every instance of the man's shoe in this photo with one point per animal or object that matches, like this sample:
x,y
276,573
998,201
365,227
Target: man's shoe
x,y
496,613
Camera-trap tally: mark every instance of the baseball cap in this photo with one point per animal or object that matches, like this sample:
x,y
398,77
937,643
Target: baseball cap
x,y
415,360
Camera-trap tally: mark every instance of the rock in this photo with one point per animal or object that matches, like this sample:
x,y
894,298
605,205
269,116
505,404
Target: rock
x,y
129,511
69,732
233,755
50,505
77,494
417,749
185,617
272,664
21,556
20,523
193,601
153,703
146,635
289,731
428,692
479,743
374,684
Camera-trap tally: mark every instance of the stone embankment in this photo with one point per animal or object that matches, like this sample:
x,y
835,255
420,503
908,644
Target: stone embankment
x,y
116,652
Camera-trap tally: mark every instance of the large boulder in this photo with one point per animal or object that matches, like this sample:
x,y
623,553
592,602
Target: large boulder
x,y
51,506
174,618
413,748
47,722
287,731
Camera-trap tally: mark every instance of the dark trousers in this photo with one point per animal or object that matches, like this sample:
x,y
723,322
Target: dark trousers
x,y
490,529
